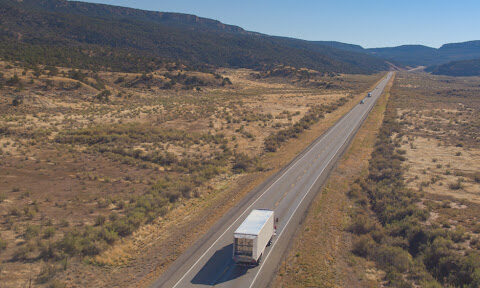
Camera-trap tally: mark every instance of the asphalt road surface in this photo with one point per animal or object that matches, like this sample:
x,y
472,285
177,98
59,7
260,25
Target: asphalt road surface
x,y
289,193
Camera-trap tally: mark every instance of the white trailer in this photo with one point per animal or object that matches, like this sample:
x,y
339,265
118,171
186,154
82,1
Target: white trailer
x,y
252,236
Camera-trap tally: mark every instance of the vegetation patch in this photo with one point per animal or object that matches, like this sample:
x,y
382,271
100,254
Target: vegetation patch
x,y
312,116
402,237
93,168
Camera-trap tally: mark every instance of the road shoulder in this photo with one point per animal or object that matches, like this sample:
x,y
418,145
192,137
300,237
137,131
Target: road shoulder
x,y
319,256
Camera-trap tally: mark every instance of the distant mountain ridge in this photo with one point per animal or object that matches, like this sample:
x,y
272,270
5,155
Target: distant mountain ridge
x,y
89,35
417,55
103,10
457,68
341,45
97,35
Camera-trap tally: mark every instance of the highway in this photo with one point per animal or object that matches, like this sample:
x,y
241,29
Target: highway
x,y
289,193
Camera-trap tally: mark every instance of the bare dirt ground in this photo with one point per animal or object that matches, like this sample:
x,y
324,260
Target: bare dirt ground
x,y
441,144
102,173
436,169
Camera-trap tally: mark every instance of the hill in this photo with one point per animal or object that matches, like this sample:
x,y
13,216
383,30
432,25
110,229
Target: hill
x,y
461,51
417,55
342,46
457,68
97,36
408,55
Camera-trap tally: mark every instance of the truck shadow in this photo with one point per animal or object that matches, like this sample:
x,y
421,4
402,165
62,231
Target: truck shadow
x,y
220,268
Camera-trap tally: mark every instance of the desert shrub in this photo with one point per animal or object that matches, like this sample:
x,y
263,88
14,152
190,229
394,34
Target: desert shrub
x,y
71,243
48,251
355,191
49,232
17,100
396,279
77,75
31,232
185,189
57,284
458,235
418,238
64,223
393,257
3,244
47,273
430,284
450,267
103,96
361,225
52,70
379,235
103,202
226,81
363,246
13,81
99,220
108,236
273,142
476,177
29,213
122,227
241,162
476,228
456,186
22,253
83,244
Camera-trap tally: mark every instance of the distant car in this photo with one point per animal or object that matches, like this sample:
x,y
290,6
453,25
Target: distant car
x,y
369,95
362,102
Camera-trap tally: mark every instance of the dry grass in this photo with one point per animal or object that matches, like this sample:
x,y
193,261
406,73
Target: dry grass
x,y
441,145
54,183
442,134
433,168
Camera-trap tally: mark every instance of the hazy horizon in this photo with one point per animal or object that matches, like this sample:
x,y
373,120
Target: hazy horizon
x,y
409,22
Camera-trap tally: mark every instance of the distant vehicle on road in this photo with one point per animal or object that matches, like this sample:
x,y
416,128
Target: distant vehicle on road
x,y
362,101
252,236
369,94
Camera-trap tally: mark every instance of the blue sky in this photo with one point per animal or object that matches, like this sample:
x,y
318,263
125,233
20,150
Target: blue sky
x,y
370,23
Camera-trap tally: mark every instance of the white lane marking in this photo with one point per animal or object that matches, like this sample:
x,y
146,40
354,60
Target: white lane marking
x,y
308,192
253,203
248,208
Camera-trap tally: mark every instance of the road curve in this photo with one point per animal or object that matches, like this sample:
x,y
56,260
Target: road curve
x,y
289,193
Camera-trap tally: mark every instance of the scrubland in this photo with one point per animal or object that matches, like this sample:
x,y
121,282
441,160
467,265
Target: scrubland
x,y
406,213
103,172
416,213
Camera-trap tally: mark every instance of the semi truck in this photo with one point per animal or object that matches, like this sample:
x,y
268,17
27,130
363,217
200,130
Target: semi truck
x,y
253,236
